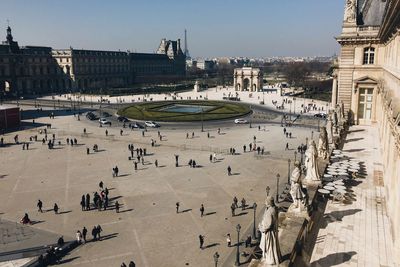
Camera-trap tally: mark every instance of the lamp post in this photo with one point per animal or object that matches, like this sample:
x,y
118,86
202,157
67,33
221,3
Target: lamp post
x,y
294,109
295,156
277,187
202,123
250,117
216,257
237,262
254,221
267,189
288,174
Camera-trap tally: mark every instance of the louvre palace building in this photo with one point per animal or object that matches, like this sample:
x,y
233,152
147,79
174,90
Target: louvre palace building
x,y
31,70
367,85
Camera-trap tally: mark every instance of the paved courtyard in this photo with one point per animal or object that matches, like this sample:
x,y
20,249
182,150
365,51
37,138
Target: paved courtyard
x,y
147,230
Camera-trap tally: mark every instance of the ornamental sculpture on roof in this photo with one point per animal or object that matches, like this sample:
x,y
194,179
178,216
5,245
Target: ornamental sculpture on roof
x,y
350,11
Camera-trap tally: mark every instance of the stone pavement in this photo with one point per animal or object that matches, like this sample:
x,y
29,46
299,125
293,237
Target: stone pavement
x,y
357,233
147,230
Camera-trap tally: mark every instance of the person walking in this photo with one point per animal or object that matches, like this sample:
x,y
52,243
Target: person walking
x,y
84,233
55,208
229,170
101,184
233,207
87,201
201,239
235,201
117,207
94,233
211,157
99,230
106,132
79,237
287,146
201,210
132,264
243,204
40,205
228,240
177,207
83,202
156,163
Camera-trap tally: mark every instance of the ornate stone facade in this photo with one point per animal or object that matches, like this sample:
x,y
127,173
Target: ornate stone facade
x,y
248,79
40,70
367,84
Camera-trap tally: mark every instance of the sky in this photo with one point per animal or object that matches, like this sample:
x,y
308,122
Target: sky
x,y
215,28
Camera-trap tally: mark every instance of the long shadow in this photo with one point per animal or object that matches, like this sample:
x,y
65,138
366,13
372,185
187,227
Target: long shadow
x,y
354,150
339,215
36,222
64,212
240,214
334,259
210,213
67,260
187,210
109,236
101,150
122,211
353,140
211,245
123,175
236,173
114,198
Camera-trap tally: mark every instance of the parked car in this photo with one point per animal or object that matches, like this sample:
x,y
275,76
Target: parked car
x,y
104,121
122,119
151,124
137,125
91,116
320,115
241,121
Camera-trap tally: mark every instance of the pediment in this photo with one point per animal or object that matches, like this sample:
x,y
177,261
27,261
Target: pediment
x,y
366,80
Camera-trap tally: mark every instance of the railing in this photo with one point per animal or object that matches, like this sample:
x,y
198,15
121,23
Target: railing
x,y
367,28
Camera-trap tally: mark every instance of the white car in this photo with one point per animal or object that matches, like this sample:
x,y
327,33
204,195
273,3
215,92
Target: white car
x,y
241,121
104,121
151,124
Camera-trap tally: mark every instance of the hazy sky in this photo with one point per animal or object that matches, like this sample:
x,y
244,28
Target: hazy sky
x,y
252,28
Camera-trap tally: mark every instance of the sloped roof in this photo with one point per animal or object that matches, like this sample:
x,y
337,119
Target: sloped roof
x,y
371,12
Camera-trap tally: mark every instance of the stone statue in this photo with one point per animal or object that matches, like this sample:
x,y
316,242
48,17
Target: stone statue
x,y
323,143
312,173
296,189
350,11
268,227
329,128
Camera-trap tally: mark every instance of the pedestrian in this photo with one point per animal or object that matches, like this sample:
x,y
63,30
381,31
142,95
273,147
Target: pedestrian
x,y
177,207
208,134
123,264
84,233
290,135
211,157
101,184
235,201
121,132
83,202
135,163
99,230
248,241
287,146
215,157
156,163
55,208
117,207
94,233
244,148
87,201
228,240
40,205
176,160
187,135
87,151
233,207
116,171
84,131
131,264
106,132
243,204
78,236
201,210
192,134
229,170
250,145
105,203
201,239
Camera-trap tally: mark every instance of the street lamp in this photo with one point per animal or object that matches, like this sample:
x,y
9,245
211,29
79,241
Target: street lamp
x,y
237,263
288,174
277,187
216,257
254,222
267,189
202,123
250,117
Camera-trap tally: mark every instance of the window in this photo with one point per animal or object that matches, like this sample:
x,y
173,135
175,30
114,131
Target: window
x,y
369,56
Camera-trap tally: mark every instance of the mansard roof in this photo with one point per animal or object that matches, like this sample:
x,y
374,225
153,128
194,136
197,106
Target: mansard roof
x,y
371,12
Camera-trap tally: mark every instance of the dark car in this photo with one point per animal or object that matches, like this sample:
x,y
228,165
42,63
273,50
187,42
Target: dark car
x,y
320,115
123,119
137,125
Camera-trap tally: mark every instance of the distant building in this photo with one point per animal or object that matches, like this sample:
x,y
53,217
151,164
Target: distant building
x,y
34,70
248,79
9,117
206,65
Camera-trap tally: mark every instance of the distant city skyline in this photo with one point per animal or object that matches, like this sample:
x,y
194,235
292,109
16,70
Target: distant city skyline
x,y
252,28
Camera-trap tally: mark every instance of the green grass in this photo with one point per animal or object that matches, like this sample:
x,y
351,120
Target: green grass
x,y
151,111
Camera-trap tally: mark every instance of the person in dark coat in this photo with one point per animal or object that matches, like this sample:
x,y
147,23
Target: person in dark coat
x,y
87,201
84,233
56,208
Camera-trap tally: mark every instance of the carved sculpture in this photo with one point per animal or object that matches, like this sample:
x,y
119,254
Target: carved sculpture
x,y
323,143
350,11
312,173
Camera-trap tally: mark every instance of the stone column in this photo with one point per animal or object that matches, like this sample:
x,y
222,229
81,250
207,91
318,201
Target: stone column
x,y
334,91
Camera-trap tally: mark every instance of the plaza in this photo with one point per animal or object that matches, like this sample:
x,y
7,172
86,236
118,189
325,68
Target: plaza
x,y
147,230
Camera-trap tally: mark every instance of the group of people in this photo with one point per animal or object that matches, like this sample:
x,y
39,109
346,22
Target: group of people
x,y
235,205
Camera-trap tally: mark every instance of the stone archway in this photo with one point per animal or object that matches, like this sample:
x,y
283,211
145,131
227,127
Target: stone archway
x,y
246,84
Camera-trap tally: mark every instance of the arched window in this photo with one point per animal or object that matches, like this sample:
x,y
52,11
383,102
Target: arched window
x,y
369,55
